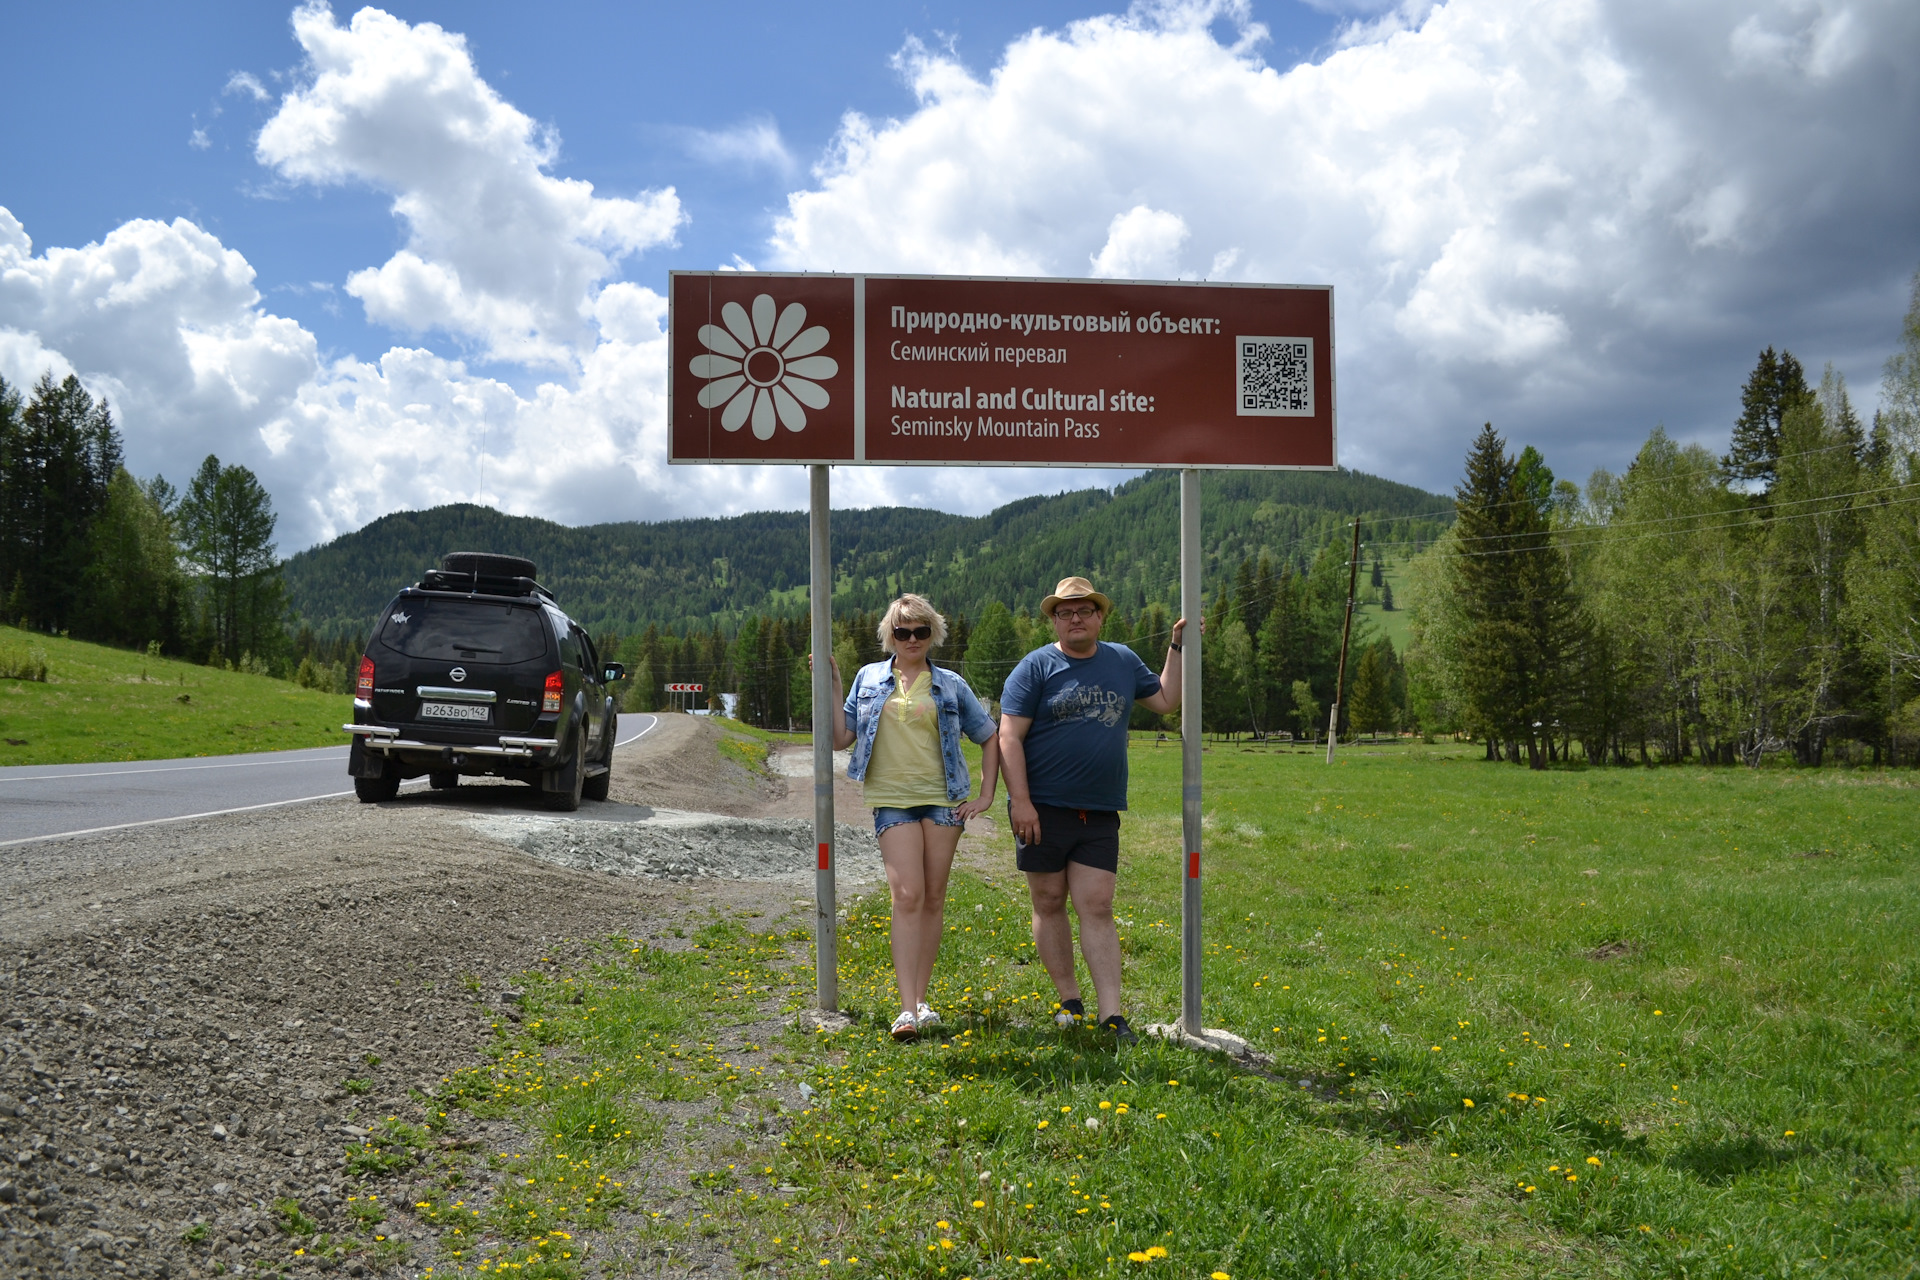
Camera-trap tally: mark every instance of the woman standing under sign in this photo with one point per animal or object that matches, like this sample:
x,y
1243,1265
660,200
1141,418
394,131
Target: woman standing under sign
x,y
904,717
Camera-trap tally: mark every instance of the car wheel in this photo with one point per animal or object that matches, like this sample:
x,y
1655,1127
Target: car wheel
x,y
574,773
374,790
446,781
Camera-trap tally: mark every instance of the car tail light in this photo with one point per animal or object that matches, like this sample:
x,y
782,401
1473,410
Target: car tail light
x,y
550,700
364,690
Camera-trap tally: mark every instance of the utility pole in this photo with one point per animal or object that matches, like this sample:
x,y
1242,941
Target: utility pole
x,y
1346,631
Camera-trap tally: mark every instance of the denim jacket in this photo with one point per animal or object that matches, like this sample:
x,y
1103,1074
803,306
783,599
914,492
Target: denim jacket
x,y
960,712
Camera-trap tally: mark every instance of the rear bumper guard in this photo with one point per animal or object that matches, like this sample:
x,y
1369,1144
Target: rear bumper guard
x,y
379,738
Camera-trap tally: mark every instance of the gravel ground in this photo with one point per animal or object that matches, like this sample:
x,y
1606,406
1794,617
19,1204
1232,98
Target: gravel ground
x,y
182,1007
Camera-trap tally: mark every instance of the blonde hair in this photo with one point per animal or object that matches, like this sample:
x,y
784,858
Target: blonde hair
x,y
911,608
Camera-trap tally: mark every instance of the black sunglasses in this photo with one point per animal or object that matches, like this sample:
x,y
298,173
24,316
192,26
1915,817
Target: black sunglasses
x,y
913,633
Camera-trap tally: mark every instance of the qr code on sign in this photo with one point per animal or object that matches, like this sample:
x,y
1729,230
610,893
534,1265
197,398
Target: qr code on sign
x,y
1274,377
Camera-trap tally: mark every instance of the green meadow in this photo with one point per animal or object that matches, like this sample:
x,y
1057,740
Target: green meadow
x,y
100,703
1580,1023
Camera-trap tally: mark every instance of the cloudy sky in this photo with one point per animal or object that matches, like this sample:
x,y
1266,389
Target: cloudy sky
x,y
391,258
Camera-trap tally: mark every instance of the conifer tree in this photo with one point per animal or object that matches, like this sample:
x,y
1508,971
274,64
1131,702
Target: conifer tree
x,y
1775,386
1518,598
58,456
226,526
992,652
134,589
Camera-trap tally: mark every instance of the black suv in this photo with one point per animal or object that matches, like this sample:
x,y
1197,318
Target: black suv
x,y
475,670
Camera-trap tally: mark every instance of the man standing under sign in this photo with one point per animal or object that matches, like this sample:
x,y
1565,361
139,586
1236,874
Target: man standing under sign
x,y
1063,752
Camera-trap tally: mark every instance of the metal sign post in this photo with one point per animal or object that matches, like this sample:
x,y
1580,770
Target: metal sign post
x,y
826,966
976,371
683,687
1190,746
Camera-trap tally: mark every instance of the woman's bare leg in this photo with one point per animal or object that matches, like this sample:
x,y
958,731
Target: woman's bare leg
x,y
902,849
939,844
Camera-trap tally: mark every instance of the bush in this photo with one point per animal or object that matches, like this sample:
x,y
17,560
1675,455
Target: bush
x,y
19,662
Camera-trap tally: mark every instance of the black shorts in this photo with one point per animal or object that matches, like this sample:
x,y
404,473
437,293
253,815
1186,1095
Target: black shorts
x,y
1090,837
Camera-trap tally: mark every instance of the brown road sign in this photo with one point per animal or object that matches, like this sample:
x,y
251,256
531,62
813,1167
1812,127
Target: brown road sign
x,y
964,371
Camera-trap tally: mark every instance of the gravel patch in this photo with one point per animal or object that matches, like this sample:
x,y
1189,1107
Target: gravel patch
x,y
197,1019
680,846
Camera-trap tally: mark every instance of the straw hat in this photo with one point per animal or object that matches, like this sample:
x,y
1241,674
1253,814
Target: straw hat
x,y
1075,589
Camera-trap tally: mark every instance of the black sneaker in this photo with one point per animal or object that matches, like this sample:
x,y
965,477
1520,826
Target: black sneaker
x,y
1068,1012
1122,1033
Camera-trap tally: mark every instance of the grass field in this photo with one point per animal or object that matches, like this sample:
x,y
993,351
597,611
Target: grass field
x,y
1602,1022
99,703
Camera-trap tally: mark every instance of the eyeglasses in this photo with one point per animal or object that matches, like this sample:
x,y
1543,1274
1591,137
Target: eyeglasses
x,y
1075,615
913,633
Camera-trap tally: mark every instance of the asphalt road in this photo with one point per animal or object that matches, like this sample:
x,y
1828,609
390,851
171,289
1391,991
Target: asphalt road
x,y
49,802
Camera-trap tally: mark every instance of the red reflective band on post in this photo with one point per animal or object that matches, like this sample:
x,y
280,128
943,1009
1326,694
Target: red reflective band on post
x,y
823,858
1193,865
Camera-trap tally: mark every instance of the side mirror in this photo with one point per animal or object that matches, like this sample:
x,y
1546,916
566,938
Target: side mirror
x,y
613,672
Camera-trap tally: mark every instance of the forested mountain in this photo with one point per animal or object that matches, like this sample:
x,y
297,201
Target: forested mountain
x,y
619,578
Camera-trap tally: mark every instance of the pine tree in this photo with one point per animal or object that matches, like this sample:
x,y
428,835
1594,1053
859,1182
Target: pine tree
x,y
1370,710
1775,386
1518,598
226,526
1254,611
58,456
134,590
992,653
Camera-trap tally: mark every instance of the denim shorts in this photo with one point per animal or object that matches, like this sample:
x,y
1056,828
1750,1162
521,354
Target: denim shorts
x,y
942,815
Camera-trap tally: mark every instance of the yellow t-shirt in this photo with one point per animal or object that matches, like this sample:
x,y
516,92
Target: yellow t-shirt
x,y
906,768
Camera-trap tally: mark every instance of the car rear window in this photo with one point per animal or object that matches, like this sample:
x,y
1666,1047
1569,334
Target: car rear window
x,y
474,630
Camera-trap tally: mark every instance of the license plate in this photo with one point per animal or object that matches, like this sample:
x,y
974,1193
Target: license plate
x,y
454,711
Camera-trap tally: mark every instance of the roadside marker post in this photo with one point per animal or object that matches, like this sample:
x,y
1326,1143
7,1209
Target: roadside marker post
x,y
956,371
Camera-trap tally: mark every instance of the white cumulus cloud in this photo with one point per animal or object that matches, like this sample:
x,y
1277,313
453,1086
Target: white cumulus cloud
x,y
1141,243
500,252
1576,217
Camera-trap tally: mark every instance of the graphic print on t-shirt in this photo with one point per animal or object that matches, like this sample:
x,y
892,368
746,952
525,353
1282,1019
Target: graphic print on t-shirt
x,y
1089,702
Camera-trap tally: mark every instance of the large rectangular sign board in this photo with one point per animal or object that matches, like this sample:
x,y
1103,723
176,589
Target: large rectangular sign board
x,y
973,371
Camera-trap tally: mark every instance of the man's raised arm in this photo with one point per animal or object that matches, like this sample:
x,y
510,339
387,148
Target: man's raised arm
x,y
1168,699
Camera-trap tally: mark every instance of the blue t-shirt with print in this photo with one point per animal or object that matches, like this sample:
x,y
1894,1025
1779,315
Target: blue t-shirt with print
x,y
1076,747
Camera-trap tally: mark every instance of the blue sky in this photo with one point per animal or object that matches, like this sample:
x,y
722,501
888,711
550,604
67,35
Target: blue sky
x,y
631,90
1574,219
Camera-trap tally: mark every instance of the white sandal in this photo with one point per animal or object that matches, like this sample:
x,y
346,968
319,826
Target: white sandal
x,y
906,1026
926,1016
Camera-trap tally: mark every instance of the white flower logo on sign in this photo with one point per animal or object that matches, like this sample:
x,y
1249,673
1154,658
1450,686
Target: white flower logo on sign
x,y
762,367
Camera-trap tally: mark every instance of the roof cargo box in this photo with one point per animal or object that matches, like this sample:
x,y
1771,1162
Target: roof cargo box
x,y
484,564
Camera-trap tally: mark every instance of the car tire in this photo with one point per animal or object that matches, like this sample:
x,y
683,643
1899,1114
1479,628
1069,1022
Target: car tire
x,y
575,772
443,781
375,790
